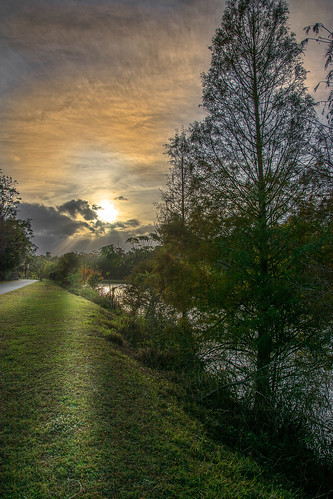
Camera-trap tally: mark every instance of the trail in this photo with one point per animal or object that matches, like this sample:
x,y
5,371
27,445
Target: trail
x,y
6,287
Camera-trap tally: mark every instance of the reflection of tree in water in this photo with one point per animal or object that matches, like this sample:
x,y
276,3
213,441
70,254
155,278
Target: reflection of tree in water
x,y
114,292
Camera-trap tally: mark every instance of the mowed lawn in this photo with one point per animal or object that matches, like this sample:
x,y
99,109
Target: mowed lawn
x,y
81,419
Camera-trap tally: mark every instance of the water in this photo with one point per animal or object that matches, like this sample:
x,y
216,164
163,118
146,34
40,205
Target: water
x,y
116,290
113,290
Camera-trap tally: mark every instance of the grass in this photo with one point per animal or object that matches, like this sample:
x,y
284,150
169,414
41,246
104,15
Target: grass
x,y
81,419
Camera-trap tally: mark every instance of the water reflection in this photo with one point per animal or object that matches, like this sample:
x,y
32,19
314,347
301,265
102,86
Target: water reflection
x,y
114,292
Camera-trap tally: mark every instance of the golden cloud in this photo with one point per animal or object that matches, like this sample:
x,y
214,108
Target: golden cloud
x,y
109,85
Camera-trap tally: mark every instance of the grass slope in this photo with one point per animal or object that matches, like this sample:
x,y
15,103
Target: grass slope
x,y
80,419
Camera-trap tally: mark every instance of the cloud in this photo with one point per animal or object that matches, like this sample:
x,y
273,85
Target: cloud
x,y
122,225
77,207
133,223
48,220
57,232
120,198
50,228
95,89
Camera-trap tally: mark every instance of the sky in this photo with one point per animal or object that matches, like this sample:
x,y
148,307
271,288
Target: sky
x,y
90,91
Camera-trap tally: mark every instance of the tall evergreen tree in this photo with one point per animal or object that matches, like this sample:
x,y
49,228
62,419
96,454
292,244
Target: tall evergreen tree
x,y
256,142
251,161
176,196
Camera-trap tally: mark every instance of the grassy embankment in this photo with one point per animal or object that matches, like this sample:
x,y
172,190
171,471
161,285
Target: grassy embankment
x,y
79,418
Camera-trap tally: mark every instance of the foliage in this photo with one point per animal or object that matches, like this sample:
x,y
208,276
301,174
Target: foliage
x,y
90,276
112,263
66,269
15,243
9,197
42,266
245,228
176,195
15,234
327,40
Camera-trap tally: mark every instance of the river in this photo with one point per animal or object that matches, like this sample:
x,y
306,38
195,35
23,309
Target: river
x,y
113,291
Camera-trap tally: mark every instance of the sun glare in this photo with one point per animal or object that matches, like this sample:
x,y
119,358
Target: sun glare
x,y
107,212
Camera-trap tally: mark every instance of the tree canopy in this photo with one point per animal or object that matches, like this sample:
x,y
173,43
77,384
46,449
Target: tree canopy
x,y
15,234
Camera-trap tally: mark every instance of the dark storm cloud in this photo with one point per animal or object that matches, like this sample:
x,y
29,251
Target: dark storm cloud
x,y
81,207
58,233
48,220
50,228
123,225
133,222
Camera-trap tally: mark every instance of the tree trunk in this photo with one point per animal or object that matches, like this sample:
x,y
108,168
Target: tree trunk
x,y
262,401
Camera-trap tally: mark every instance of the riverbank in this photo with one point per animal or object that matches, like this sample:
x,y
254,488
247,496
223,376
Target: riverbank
x,y
80,418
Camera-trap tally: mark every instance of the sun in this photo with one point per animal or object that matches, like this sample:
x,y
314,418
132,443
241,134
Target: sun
x,y
107,212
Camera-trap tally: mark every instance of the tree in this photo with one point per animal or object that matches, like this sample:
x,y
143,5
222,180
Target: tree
x,y
9,197
176,197
112,262
67,269
174,273
15,235
251,161
324,166
327,40
256,142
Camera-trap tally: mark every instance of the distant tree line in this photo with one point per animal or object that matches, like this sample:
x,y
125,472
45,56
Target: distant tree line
x,y
109,264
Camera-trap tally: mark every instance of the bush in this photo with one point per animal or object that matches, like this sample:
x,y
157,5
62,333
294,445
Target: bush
x,y
73,281
129,329
115,337
87,293
157,359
